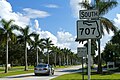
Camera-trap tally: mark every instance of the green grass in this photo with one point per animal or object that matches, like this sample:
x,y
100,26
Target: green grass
x,y
78,76
62,67
15,71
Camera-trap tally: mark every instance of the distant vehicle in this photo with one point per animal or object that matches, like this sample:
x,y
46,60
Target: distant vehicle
x,y
44,69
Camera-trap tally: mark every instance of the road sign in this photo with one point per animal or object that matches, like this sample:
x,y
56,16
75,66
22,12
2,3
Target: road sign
x,y
88,29
82,51
88,14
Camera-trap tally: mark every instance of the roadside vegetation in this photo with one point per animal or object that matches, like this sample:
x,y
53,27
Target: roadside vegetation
x,y
15,71
94,76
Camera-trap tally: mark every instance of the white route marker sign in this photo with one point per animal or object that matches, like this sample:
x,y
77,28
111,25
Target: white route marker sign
x,y
88,29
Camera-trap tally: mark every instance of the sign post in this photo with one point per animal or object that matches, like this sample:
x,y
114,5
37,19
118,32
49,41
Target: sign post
x,y
89,58
82,52
88,29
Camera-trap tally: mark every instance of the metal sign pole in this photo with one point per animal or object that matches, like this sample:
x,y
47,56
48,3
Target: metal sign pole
x,y
82,70
82,52
89,58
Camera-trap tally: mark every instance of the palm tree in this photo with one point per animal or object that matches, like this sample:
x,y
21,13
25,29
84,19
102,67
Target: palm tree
x,y
59,51
6,34
103,7
64,56
37,43
67,52
48,44
64,50
25,37
55,51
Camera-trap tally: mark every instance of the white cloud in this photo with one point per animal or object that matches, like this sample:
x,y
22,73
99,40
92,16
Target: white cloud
x,y
20,19
33,13
117,20
46,34
52,6
7,13
36,24
75,5
64,36
65,39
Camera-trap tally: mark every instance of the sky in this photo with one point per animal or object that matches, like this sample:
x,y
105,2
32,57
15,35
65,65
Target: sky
x,y
52,18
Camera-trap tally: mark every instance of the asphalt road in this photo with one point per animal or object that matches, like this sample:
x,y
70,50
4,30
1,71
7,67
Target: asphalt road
x,y
31,76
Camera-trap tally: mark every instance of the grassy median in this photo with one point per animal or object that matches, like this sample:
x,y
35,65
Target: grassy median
x,y
94,76
15,71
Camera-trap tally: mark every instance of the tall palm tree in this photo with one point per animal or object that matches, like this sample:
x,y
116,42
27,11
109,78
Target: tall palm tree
x,y
103,7
48,44
64,50
55,51
25,37
37,43
59,51
64,55
67,52
6,34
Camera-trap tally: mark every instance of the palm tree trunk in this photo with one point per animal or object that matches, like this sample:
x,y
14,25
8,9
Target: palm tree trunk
x,y
64,61
48,56
67,59
6,66
55,59
99,59
26,66
59,60
37,56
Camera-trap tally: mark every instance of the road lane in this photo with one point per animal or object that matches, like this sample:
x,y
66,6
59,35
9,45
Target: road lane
x,y
31,76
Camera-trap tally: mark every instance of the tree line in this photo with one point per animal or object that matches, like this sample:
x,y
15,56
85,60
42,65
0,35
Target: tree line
x,y
29,49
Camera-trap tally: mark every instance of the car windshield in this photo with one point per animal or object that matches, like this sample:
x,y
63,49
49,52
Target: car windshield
x,y
42,65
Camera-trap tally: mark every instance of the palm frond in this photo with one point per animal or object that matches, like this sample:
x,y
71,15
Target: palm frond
x,y
108,25
14,27
10,22
105,6
13,37
1,31
85,5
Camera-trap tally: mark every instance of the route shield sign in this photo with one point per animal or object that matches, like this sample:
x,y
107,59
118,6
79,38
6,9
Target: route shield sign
x,y
88,29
